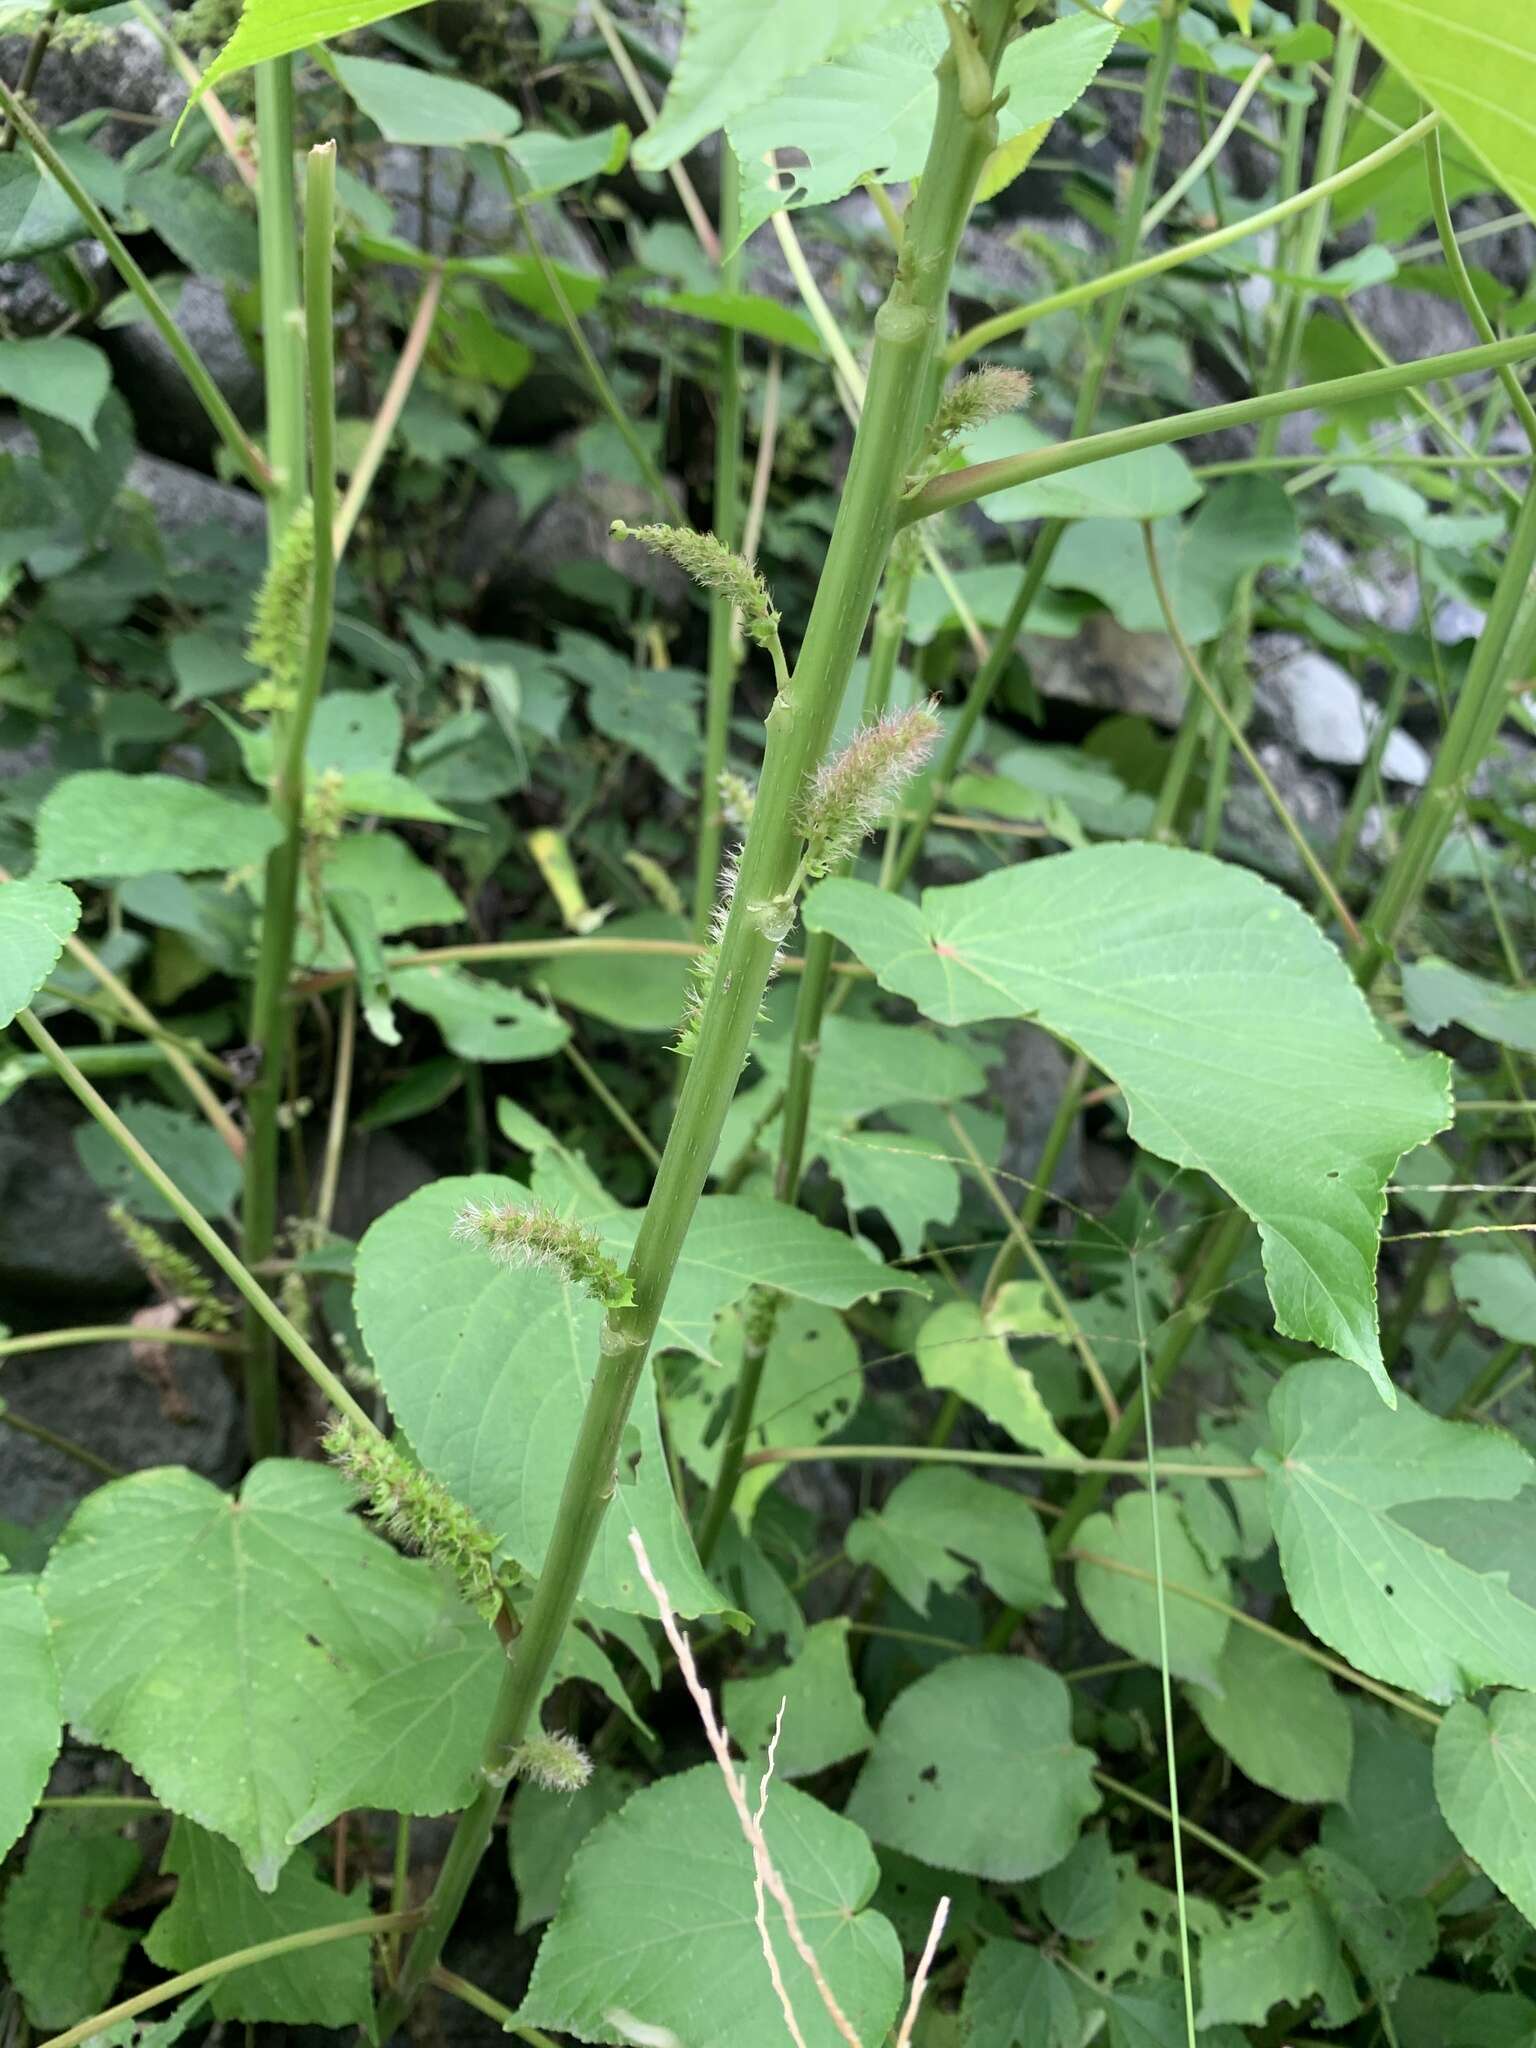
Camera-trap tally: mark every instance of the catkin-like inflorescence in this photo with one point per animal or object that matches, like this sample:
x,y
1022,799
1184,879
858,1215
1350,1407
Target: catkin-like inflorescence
x,y
706,965
556,1762
849,794
714,567
416,1509
171,1272
280,620
536,1238
981,395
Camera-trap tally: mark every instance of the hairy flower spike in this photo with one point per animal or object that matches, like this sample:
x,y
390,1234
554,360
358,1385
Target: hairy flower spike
x,y
849,795
536,1238
706,965
172,1274
968,404
737,796
280,619
416,1509
712,566
556,1763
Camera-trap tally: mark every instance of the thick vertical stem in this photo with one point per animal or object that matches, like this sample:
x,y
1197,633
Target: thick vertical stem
x,y
723,657
990,674
907,332
269,1015
282,332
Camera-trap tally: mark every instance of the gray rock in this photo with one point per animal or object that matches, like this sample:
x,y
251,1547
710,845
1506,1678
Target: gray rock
x,y
1026,1086
502,554
169,417
1311,796
1112,669
377,1171
1377,589
123,68
1455,620
185,501
96,1396
56,1245
1318,708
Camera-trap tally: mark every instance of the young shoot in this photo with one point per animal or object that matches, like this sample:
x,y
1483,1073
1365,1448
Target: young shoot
x,y
555,1762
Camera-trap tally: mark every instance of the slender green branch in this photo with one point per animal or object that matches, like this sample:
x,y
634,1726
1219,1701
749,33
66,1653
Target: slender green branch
x,y
282,331
270,1018
64,1445
1456,264
387,418
482,2001
965,486
726,522
271,1315
550,949
1188,1827
224,1966
1019,1461
907,334
982,336
247,457
114,1333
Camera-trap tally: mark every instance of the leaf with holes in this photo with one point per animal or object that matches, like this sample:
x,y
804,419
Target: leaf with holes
x,y
942,1523
1233,1028
101,826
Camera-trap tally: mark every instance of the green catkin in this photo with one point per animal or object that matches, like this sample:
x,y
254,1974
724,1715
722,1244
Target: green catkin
x,y
969,403
416,1510
714,567
172,1273
280,618
555,1762
849,794
536,1238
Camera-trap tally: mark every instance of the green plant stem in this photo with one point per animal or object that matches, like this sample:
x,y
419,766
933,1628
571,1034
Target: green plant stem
x,y
103,1802
1482,1390
1368,780
270,1018
1006,1259
282,333
482,2001
984,684
1235,734
245,454
1212,1262
1506,643
966,486
1188,1827
64,1445
299,1346
1456,264
1128,275
552,949
224,1966
907,332
114,1333
929,1454
611,1103
726,520
1363,459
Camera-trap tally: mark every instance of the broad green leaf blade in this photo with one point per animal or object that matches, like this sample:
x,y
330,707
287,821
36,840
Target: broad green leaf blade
x,y
551,163
275,28
1388,1938
1485,1781
964,1349
1015,1994
940,1523
1284,1948
1475,62
657,1921
1149,483
218,1644
747,313
189,1149
34,1727
217,1910
1405,1541
100,826
1388,1826
487,1372
414,1738
1438,994
407,104
648,995
870,111
480,1019
824,1719
60,376
975,1769
1241,1044
1498,1289
1279,1719
61,1951
546,1829
35,920
1125,1609
736,52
